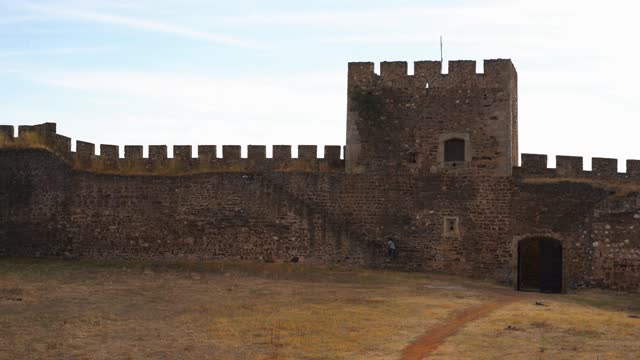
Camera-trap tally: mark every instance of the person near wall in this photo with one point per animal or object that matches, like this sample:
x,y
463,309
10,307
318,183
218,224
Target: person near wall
x,y
392,249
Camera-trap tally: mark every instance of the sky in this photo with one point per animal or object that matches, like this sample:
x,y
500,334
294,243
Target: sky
x,y
274,72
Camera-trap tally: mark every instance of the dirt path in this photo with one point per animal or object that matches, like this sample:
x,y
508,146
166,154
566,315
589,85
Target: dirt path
x,y
429,342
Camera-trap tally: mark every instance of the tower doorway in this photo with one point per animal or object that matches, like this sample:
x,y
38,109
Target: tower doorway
x,y
540,265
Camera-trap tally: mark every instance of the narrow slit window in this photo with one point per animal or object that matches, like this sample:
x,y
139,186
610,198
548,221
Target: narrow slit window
x,y
454,150
451,226
412,157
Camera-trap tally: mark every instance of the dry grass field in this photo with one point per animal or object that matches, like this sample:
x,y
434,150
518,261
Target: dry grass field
x,y
224,310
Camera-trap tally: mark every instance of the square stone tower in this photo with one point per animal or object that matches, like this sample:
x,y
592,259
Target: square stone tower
x,y
460,122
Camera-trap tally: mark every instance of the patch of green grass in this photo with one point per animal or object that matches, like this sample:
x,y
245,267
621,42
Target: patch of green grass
x,y
609,300
276,271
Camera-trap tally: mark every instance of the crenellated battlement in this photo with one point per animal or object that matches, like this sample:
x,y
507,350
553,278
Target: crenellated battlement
x,y
429,74
431,161
535,165
158,163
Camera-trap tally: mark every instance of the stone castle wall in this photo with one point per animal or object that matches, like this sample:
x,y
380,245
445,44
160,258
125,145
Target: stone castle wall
x,y
393,183
50,209
596,215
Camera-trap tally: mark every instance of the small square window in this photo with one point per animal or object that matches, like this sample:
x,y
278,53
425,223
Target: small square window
x,y
451,226
454,150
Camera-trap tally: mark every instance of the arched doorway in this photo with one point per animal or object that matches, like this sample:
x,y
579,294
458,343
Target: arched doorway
x,y
540,265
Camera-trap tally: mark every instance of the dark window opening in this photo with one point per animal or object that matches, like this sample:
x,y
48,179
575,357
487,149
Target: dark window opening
x,y
540,265
412,157
451,226
454,150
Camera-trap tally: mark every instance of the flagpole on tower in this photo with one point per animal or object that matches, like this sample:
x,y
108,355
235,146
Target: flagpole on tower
x,y
441,49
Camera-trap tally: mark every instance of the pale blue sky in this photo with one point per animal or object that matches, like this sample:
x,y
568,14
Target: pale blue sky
x,y
274,72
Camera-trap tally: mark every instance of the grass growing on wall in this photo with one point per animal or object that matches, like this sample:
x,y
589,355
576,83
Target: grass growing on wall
x,y
169,168
619,187
28,140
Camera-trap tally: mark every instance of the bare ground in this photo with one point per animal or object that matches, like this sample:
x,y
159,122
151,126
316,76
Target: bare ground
x,y
223,310
433,338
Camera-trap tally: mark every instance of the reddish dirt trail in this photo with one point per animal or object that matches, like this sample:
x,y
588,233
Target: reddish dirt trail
x,y
431,340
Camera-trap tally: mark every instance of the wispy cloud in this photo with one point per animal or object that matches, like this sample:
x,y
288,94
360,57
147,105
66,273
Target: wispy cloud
x,y
139,24
10,71
10,20
230,109
287,95
521,12
329,17
56,51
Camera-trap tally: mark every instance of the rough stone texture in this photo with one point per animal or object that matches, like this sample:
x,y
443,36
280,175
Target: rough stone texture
x,y
396,124
599,227
393,182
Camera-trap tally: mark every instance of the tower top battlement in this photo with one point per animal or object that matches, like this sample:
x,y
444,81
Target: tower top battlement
x,y
461,73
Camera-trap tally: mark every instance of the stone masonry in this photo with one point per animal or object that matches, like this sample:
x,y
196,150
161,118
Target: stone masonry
x,y
431,160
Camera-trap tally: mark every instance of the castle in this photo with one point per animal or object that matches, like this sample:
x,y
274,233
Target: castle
x,y
431,160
